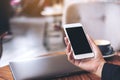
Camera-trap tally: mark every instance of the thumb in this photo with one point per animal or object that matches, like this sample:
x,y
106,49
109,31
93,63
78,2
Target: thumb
x,y
95,48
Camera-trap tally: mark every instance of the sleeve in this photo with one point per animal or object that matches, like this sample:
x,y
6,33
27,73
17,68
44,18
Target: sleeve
x,y
110,72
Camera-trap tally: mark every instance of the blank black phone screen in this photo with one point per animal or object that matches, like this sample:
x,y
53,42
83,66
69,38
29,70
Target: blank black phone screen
x,y
78,40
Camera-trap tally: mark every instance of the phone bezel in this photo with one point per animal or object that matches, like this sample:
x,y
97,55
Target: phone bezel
x,y
79,56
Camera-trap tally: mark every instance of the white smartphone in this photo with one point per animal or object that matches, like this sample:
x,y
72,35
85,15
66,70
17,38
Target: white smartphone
x,y
78,40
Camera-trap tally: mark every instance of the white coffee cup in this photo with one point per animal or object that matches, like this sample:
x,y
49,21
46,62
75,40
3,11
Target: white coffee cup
x,y
104,46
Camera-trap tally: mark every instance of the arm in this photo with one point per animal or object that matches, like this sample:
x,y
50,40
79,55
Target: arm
x,y
111,72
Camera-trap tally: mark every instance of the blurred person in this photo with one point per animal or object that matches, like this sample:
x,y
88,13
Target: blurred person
x,y
98,66
5,14
2,34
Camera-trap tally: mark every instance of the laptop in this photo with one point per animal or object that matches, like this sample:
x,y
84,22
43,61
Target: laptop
x,y
48,67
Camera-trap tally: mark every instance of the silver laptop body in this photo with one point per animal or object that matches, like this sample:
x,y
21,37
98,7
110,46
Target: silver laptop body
x,y
43,68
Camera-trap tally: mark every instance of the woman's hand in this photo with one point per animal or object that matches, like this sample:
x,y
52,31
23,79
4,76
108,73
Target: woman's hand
x,y
93,65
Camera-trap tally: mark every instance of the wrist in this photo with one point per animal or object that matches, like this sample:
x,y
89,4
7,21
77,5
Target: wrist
x,y
98,71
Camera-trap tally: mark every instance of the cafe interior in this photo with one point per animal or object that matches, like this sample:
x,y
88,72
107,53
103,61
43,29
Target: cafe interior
x,y
36,28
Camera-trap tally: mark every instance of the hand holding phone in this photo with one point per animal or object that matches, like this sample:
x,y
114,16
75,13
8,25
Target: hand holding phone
x,y
79,43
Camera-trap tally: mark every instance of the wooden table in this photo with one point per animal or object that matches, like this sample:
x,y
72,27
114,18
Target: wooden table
x,y
5,73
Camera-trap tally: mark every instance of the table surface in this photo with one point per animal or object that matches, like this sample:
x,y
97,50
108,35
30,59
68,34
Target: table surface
x,y
5,73
51,13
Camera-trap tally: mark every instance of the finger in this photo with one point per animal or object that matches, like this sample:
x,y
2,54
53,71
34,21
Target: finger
x,y
66,40
91,42
68,49
94,47
73,60
70,57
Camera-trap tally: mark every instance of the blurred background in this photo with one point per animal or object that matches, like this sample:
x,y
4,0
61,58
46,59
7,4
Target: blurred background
x,y
35,26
